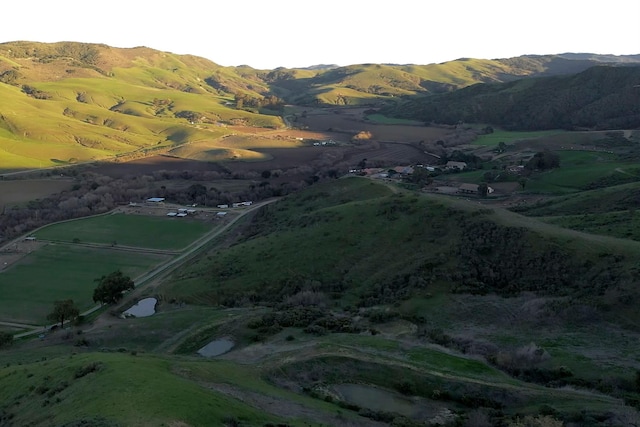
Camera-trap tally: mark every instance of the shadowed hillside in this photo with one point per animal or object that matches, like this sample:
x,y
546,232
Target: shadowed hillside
x,y
603,97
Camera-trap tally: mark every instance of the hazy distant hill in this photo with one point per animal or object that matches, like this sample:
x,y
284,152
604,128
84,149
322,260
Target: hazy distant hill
x,y
603,97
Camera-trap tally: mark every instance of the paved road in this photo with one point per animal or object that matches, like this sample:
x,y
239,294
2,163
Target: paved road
x,y
164,269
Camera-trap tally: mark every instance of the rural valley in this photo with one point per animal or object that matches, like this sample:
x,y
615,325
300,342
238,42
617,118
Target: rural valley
x,y
187,244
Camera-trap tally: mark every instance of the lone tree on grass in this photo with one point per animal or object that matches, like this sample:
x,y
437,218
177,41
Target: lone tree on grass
x,y
111,287
63,310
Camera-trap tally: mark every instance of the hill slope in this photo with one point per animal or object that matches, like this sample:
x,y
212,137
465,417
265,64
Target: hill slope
x,y
603,97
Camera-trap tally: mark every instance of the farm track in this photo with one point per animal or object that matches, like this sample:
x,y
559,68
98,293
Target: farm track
x,y
272,357
117,247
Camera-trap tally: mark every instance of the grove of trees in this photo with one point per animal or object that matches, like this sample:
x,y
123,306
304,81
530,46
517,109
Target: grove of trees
x,y
111,287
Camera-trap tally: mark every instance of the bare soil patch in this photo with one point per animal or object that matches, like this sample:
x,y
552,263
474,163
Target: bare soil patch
x,y
152,164
16,250
20,191
351,121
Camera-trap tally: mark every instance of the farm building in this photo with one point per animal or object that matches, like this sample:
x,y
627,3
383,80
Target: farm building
x,y
181,214
221,214
155,200
172,214
456,165
223,206
472,189
468,188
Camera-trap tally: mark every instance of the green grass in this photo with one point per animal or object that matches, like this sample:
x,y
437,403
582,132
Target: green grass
x,y
508,137
124,389
624,225
59,271
581,169
156,232
161,332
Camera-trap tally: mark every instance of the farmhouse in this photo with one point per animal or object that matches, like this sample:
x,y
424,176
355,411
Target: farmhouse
x,y
404,170
468,188
455,165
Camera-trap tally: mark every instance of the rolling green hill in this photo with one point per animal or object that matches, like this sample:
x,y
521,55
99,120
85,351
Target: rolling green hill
x,y
356,301
86,102
364,244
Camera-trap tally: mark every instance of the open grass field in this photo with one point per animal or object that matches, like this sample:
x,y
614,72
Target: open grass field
x,y
21,191
624,225
509,137
580,169
154,232
60,271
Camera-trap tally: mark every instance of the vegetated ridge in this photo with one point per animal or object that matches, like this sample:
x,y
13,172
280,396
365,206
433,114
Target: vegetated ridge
x,y
601,97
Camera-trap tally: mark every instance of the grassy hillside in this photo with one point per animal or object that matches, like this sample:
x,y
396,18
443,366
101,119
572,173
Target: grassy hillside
x,y
337,237
85,102
354,302
115,389
603,97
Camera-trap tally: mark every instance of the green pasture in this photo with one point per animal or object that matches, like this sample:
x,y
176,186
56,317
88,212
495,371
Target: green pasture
x,y
60,271
493,139
580,169
624,225
155,232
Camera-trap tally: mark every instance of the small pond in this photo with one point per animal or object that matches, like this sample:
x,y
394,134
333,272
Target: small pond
x,y
216,347
144,308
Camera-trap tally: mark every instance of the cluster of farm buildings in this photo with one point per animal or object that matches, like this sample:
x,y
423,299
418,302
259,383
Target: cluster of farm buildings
x,y
183,212
404,171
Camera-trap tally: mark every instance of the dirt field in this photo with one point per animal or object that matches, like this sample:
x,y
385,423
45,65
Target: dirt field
x,y
20,191
351,122
152,164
